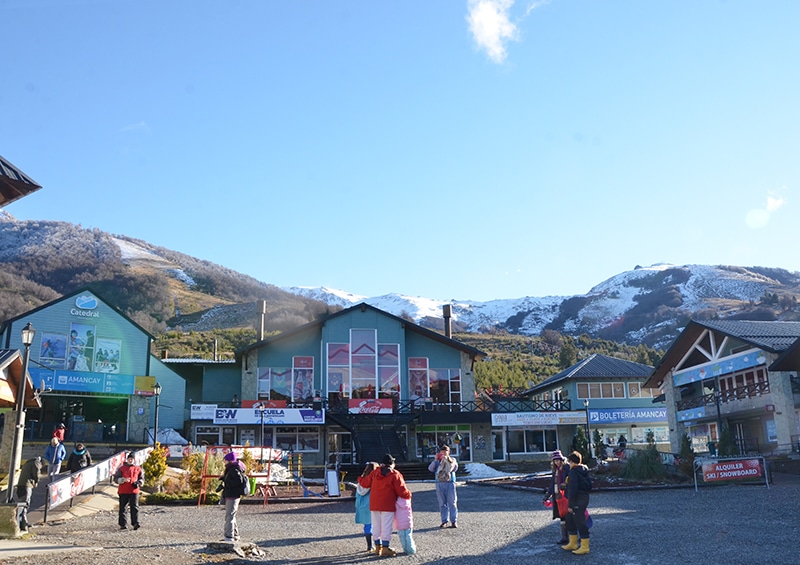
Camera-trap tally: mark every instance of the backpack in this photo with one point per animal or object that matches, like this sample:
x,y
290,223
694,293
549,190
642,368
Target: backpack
x,y
445,471
238,482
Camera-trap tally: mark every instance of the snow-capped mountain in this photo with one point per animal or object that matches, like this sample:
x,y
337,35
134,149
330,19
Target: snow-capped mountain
x,y
165,289
646,305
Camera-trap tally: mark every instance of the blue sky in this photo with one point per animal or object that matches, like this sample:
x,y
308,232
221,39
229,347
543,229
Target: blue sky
x,y
471,149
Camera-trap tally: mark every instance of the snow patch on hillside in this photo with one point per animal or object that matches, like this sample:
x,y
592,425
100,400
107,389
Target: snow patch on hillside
x,y
131,251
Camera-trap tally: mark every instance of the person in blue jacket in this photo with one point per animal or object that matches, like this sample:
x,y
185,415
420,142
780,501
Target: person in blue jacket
x,y
445,467
363,514
54,455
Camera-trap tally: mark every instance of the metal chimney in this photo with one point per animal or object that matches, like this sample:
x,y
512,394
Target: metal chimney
x,y
261,306
447,312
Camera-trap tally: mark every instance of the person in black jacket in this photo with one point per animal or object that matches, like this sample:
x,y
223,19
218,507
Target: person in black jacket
x,y
29,477
79,458
234,485
579,485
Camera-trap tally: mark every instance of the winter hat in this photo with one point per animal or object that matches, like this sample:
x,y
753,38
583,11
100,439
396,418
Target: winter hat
x,y
557,455
230,457
388,459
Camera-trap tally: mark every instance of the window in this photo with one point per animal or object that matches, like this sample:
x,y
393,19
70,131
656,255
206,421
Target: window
x,y
635,390
531,440
601,390
297,438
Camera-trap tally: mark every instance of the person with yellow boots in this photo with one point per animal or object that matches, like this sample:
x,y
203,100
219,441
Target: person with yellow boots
x,y
579,485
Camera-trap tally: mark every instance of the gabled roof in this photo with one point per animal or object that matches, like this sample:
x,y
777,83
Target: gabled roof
x,y
596,366
774,337
14,184
476,353
11,361
9,321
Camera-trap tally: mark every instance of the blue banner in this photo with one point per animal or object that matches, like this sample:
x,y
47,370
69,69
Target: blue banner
x,y
692,414
82,381
627,415
722,367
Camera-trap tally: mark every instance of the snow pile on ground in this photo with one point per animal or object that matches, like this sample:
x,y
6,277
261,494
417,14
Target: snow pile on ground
x,y
481,471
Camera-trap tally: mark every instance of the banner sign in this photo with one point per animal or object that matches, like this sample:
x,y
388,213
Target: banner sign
x,y
539,418
732,470
627,415
202,411
70,486
370,406
691,414
745,360
83,381
271,416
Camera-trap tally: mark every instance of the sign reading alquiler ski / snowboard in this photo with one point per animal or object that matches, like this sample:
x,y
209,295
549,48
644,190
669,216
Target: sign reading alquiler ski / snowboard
x,y
732,470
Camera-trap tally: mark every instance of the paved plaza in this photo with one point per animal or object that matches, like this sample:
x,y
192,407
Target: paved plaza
x,y
722,524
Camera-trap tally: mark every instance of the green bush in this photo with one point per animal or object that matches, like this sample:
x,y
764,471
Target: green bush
x,y
179,498
155,466
645,465
686,465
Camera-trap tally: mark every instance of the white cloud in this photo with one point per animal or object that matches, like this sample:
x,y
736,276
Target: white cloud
x,y
139,126
774,202
758,218
491,27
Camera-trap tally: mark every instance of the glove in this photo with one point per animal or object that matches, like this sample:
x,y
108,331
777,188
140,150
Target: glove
x,y
220,487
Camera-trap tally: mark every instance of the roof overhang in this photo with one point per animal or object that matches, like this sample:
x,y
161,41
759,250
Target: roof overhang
x,y
11,366
14,184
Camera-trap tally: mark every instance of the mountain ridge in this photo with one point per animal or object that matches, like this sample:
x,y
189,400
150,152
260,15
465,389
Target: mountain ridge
x,y
165,290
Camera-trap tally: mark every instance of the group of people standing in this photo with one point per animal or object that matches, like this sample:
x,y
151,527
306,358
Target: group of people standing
x,y
32,471
383,501
569,495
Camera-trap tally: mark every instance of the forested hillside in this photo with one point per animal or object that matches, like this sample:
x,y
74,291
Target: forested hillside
x,y
517,362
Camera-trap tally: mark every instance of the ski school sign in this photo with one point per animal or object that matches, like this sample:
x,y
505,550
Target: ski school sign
x,y
271,416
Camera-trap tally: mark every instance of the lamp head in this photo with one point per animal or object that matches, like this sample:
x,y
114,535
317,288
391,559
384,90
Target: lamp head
x,y
27,334
586,403
157,389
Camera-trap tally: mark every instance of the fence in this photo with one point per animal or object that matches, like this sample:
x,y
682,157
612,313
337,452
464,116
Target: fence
x,y
67,488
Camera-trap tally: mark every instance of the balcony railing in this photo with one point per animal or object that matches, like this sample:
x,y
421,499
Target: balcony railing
x,y
412,406
740,393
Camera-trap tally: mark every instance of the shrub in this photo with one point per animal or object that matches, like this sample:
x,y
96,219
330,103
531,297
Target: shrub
x,y
645,465
155,466
726,446
194,464
686,465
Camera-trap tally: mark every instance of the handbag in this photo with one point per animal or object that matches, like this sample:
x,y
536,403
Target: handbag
x,y
563,505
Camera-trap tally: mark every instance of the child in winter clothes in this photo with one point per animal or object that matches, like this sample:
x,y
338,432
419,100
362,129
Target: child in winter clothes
x,y
363,514
54,455
557,484
387,485
579,484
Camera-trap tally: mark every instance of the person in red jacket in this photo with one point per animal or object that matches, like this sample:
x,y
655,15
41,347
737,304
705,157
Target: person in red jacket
x,y
386,485
129,478
59,432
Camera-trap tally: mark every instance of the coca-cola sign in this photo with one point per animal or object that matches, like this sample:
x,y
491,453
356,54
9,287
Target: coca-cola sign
x,y
370,406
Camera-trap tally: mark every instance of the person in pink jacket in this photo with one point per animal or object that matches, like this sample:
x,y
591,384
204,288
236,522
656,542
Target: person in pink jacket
x,y
386,485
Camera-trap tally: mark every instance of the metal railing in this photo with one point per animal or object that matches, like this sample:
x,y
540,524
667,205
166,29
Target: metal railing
x,y
419,405
726,396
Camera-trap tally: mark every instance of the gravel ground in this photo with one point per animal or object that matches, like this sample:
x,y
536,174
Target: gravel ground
x,y
726,524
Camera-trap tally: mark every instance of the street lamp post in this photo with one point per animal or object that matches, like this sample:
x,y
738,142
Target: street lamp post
x,y
19,430
157,391
588,429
